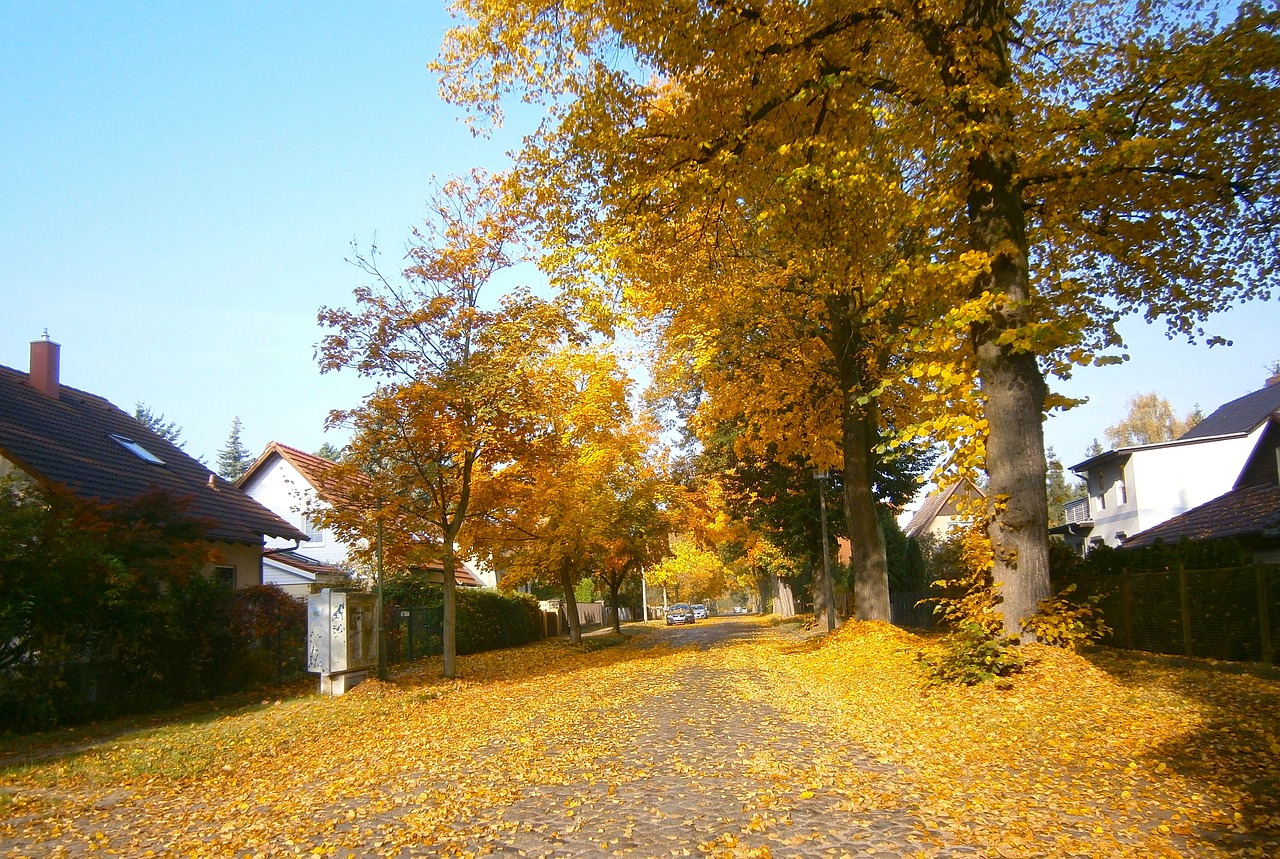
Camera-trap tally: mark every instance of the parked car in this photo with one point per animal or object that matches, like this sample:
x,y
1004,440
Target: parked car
x,y
681,612
739,609
700,612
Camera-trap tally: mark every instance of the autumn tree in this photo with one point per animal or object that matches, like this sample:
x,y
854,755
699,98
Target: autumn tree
x,y
1151,419
452,403
1064,163
638,534
561,508
691,573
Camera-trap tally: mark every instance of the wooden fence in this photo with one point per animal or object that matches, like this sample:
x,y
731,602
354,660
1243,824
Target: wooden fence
x,y
1231,614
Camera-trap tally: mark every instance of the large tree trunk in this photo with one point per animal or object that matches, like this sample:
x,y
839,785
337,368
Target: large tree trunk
x,y
784,605
1013,385
449,631
1014,389
570,603
860,434
614,588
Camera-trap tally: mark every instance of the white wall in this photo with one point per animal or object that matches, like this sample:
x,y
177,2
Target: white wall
x,y
281,489
291,581
1163,481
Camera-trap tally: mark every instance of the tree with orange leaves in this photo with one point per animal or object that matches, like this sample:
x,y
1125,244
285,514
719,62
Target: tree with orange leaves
x,y
453,395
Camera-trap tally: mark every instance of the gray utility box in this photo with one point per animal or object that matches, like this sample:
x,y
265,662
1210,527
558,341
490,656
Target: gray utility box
x,y
342,638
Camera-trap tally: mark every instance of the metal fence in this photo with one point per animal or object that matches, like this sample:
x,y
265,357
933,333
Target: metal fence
x,y
414,631
1231,614
905,611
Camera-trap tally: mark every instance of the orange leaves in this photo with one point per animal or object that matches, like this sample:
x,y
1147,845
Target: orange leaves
x,y
1110,756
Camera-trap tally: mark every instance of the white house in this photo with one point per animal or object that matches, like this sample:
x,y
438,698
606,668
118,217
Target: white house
x,y
1133,489
285,480
290,482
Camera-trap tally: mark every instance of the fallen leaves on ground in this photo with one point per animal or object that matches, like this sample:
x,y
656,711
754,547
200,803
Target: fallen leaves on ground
x,y
1110,755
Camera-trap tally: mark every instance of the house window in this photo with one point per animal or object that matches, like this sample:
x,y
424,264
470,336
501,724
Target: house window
x,y
225,576
136,449
1101,492
313,530
1122,491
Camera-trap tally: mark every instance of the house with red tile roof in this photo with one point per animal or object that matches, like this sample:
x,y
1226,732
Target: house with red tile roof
x,y
57,435
291,482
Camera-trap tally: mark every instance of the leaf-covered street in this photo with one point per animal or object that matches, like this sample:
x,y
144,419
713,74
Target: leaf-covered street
x,y
729,738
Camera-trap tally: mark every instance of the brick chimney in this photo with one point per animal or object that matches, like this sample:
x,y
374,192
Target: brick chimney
x,y
1274,380
44,366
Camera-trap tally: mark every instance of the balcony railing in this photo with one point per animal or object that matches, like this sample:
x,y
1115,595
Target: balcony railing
x,y
1077,512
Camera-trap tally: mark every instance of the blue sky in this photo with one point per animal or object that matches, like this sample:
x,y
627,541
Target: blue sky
x,y
179,185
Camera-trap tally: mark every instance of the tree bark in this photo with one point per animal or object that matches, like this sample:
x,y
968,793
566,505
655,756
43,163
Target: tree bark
x,y
571,603
1013,385
785,603
1015,389
860,433
449,626
614,588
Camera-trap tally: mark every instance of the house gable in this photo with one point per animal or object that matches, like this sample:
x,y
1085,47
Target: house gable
x,y
289,482
941,510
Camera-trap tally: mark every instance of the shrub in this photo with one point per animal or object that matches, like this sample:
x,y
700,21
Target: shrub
x,y
487,619
268,629
972,656
1062,622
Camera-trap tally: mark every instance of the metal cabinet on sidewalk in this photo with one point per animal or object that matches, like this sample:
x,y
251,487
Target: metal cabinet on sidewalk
x,y
342,638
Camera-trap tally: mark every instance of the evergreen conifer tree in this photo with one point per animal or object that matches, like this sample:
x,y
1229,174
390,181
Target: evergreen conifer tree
x,y
234,458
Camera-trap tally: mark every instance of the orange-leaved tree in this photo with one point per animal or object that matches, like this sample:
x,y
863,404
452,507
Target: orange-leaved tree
x,y
1069,162
453,401
556,506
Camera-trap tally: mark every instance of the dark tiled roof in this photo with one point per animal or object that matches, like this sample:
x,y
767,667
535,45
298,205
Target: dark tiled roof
x,y
1245,512
1242,415
68,441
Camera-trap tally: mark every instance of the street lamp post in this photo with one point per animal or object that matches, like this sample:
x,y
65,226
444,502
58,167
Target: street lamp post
x,y
820,475
644,596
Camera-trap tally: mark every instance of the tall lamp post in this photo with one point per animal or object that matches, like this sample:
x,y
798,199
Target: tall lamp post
x,y
381,610
820,475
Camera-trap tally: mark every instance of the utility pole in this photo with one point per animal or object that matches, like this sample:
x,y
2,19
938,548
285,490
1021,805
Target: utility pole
x,y
381,610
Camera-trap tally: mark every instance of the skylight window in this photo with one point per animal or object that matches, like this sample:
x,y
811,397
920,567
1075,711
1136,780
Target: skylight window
x,y
136,449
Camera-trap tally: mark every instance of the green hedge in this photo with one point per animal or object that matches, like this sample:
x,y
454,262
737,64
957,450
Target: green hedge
x,y
487,619
103,612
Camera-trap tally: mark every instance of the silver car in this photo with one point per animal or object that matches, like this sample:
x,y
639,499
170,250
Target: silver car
x,y
680,613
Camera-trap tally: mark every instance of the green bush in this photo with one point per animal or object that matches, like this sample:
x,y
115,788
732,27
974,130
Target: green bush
x,y
973,655
103,611
487,619
268,630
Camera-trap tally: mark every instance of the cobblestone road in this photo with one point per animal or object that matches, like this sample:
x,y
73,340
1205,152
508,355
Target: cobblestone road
x,y
720,772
